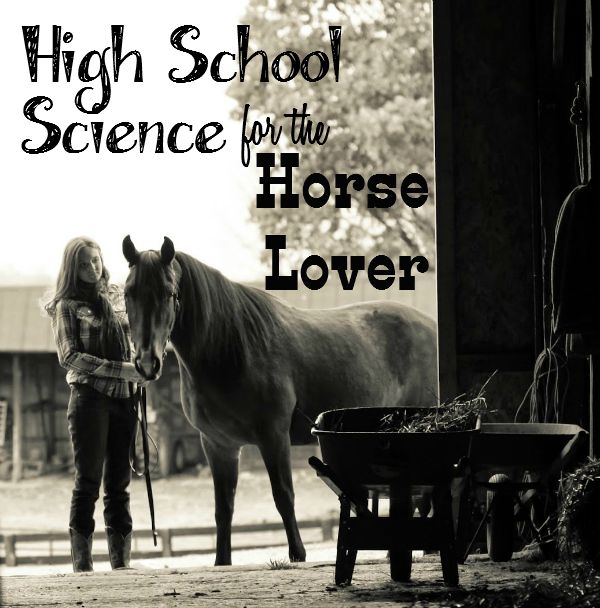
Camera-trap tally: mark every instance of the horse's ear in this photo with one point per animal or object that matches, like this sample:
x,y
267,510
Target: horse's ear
x,y
167,251
131,254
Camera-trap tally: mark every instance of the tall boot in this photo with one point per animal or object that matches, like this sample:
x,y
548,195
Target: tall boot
x,y
81,551
119,548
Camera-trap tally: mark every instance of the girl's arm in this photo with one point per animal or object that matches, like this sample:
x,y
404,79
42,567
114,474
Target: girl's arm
x,y
64,326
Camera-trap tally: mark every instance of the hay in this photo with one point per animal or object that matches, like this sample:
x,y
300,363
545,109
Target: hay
x,y
579,521
576,587
459,415
567,591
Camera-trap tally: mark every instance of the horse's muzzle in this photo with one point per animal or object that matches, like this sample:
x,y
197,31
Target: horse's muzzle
x,y
148,365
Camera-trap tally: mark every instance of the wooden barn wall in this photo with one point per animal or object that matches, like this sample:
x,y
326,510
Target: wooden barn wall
x,y
486,157
494,167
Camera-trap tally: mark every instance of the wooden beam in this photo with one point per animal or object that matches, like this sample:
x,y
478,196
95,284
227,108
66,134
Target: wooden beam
x,y
592,55
51,411
444,197
594,450
17,428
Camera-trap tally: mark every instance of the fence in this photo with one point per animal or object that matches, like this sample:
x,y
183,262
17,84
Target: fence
x,y
53,547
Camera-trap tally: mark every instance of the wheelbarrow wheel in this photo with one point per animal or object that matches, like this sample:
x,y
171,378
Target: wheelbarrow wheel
x,y
400,565
543,513
501,522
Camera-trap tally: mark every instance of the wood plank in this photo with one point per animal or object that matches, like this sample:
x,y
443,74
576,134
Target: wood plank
x,y
17,430
444,198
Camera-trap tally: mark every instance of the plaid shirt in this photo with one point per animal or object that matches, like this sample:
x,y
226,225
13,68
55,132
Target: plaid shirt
x,y
77,333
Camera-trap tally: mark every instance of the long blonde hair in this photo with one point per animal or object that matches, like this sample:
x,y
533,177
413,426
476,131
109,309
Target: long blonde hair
x,y
70,286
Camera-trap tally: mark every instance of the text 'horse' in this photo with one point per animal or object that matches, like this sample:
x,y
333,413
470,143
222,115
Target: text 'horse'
x,y
248,361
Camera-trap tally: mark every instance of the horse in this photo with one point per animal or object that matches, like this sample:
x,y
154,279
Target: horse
x,y
250,363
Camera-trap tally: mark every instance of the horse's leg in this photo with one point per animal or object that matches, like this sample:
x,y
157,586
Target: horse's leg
x,y
223,461
275,451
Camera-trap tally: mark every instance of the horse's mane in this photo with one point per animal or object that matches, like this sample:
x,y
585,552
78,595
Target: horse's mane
x,y
223,322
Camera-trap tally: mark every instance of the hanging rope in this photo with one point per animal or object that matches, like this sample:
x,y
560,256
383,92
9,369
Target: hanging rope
x,y
548,389
578,119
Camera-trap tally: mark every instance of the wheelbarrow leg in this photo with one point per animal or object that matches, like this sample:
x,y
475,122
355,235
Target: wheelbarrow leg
x,y
401,557
346,556
442,505
463,519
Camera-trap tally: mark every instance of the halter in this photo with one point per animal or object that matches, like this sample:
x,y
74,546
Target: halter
x,y
176,304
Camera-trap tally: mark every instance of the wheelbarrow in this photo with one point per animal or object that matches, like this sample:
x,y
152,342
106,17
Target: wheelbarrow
x,y
514,462
362,463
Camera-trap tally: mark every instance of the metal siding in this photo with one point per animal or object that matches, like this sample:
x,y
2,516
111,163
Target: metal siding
x,y
23,325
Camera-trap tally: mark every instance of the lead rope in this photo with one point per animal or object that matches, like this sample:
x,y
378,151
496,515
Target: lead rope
x,y
141,391
139,400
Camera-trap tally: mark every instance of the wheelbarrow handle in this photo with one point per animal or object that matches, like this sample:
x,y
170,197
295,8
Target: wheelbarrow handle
x,y
558,464
357,496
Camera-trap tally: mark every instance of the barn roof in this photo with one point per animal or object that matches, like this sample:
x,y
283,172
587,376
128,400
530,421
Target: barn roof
x,y
24,327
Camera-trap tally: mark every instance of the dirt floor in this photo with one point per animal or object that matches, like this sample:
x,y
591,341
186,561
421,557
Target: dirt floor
x,y
298,586
187,500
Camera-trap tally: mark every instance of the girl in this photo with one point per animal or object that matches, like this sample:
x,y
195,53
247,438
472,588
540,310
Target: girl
x,y
93,345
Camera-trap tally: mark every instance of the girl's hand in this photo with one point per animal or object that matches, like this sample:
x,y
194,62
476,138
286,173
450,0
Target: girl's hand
x,y
132,375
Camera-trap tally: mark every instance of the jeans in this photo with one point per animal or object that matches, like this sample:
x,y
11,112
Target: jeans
x,y
101,429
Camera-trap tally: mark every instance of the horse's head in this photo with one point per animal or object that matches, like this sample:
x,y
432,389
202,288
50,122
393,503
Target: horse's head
x,y
151,296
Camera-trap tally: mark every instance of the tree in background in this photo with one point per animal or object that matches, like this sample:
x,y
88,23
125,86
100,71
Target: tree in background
x,y
379,113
